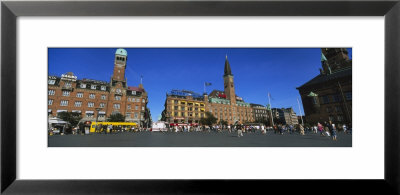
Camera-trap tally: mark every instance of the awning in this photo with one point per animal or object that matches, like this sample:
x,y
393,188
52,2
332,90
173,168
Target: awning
x,y
62,111
102,112
89,112
78,111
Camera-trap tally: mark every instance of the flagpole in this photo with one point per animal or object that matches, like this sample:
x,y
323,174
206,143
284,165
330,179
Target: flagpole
x,y
270,109
204,87
301,115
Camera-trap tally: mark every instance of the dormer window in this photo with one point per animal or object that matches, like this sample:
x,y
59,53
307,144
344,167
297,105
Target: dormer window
x,y
133,92
83,85
103,88
93,87
51,82
118,90
68,84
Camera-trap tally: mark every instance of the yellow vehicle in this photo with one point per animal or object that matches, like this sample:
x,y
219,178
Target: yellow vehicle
x,y
116,125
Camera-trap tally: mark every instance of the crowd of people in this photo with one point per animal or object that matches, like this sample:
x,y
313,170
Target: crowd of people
x,y
327,129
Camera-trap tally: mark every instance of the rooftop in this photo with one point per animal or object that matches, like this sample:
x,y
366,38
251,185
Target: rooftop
x,y
345,72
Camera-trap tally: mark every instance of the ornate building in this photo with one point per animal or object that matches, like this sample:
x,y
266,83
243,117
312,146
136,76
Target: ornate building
x,y
187,107
99,99
328,96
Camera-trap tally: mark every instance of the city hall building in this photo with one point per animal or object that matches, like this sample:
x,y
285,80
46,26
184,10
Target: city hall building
x,y
184,107
95,99
328,96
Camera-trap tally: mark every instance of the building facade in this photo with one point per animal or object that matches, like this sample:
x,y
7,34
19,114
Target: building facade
x,y
328,96
97,100
224,105
285,116
260,113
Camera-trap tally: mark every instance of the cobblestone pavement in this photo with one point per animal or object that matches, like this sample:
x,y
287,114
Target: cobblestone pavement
x,y
198,139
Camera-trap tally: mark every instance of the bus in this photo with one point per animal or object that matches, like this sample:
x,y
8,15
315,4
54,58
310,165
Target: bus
x,y
123,125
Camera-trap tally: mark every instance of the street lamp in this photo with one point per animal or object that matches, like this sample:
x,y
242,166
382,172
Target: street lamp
x,y
97,117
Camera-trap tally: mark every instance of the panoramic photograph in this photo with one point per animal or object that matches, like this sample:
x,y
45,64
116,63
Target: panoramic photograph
x,y
199,97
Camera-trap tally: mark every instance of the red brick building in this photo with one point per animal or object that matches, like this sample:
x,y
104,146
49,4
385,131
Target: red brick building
x,y
69,94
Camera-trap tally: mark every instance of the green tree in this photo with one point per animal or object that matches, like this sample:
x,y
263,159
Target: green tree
x,y
71,117
223,122
209,119
118,117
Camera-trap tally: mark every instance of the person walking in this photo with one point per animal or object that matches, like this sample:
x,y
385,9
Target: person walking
x,y
332,129
240,131
320,129
301,128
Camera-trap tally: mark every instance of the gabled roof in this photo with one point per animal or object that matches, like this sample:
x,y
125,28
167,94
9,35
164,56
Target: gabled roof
x,y
345,72
135,89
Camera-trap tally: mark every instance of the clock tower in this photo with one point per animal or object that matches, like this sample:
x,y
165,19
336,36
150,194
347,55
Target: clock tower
x,y
229,86
121,56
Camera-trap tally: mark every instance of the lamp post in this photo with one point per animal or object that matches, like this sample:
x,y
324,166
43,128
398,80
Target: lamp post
x,y
97,117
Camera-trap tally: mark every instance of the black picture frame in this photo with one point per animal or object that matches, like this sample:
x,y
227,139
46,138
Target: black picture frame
x,y
10,10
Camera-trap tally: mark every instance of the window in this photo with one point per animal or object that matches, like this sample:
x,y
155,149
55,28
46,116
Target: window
x,y
142,107
328,109
89,115
103,97
78,104
143,101
138,100
133,99
133,92
103,88
175,107
68,84
51,82
348,95
118,90
129,106
175,101
338,109
337,98
83,85
136,115
93,87
90,104
66,93
92,96
340,118
64,103
50,102
102,105
52,92
325,99
117,97
175,114
79,95
128,115
117,106
136,107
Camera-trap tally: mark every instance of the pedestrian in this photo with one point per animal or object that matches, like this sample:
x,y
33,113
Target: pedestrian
x,y
280,127
301,128
240,131
320,129
344,128
263,129
326,128
332,129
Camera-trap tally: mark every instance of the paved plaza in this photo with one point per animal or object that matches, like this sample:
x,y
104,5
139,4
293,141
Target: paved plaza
x,y
198,139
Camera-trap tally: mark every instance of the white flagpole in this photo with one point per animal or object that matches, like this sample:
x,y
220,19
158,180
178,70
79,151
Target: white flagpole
x,y
269,100
301,115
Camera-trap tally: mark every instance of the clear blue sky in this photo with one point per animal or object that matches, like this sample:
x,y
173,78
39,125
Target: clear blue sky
x,y
256,71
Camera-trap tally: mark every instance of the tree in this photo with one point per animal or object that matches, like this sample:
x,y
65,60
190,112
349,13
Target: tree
x,y
118,117
223,122
209,119
71,117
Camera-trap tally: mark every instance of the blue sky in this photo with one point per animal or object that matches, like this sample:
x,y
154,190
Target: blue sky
x,y
256,71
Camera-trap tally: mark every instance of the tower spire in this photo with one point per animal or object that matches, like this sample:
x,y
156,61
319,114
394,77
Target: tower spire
x,y
227,70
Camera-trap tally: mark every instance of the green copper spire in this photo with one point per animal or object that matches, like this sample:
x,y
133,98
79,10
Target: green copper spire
x,y
323,58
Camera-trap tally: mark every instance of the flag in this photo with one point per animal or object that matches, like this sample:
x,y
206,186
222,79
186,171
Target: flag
x,y
269,95
207,84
